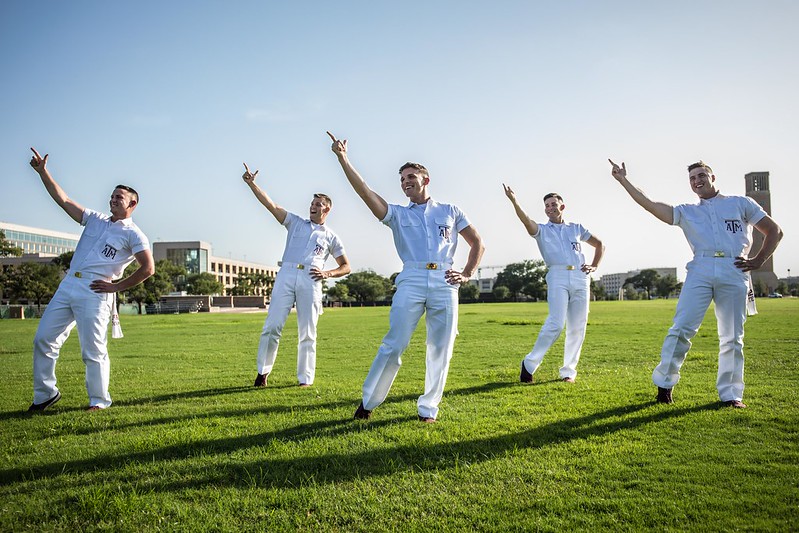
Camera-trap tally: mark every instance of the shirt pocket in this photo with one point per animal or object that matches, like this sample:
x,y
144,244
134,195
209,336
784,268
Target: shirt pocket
x,y
112,249
320,247
444,228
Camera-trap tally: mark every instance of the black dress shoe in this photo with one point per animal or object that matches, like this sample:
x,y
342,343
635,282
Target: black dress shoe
x,y
44,405
427,419
361,413
737,404
525,376
260,380
664,395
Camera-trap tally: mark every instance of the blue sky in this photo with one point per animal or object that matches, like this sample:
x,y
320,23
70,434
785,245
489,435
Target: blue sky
x,y
171,97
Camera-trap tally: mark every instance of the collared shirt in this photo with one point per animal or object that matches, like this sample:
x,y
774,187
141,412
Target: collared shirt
x,y
425,232
309,243
560,243
722,223
105,248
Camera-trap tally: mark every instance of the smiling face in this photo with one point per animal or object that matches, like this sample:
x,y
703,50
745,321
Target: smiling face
x,y
703,182
553,208
320,207
122,204
413,182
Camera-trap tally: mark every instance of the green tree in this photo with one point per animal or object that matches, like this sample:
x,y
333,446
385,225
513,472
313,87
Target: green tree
x,y
760,288
598,290
527,277
501,293
468,291
63,261
157,285
203,283
367,286
646,280
32,281
339,292
782,288
6,248
667,285
250,284
630,293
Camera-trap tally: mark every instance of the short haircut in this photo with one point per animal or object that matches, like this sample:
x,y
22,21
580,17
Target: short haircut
x,y
131,190
700,164
418,166
552,195
325,198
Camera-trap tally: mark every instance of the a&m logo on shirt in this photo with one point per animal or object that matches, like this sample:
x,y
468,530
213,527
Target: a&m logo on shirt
x,y
733,226
576,247
109,251
444,232
318,250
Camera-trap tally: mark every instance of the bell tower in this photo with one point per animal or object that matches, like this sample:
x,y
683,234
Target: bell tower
x,y
757,189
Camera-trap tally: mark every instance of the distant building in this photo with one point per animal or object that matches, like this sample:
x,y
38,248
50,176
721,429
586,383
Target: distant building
x,y
613,282
757,188
196,258
38,241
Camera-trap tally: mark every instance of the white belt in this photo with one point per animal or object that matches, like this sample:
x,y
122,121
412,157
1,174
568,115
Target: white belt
x,y
88,275
426,266
286,264
562,267
713,253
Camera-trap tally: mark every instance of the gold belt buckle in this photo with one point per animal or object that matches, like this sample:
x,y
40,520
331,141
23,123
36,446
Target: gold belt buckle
x,y
300,267
569,267
432,266
78,275
718,254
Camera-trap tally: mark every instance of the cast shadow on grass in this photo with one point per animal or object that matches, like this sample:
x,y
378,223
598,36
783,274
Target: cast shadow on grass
x,y
346,466
185,395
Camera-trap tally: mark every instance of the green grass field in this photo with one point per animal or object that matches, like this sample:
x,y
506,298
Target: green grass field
x,y
190,445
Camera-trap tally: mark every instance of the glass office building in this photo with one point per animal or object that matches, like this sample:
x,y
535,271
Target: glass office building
x,y
39,241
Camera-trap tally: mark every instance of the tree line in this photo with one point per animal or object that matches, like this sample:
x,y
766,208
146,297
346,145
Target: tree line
x,y
525,280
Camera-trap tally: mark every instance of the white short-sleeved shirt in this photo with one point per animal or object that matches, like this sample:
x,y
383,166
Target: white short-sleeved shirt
x,y
105,248
560,244
309,243
722,223
425,232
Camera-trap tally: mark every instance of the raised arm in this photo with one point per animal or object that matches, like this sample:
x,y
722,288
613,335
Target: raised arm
x,y
476,249
376,204
529,223
249,178
599,251
70,206
772,235
662,211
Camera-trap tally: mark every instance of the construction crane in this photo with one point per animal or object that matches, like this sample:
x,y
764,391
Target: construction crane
x,y
488,267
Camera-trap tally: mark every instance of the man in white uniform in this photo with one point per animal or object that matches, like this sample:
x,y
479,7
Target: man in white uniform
x,y
568,283
299,281
85,296
425,236
719,231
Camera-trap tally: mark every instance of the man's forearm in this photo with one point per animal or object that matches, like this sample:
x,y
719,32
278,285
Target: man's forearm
x,y
138,276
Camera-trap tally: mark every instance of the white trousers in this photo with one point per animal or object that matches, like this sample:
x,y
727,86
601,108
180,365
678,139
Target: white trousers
x,y
567,296
74,303
717,279
418,291
292,286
